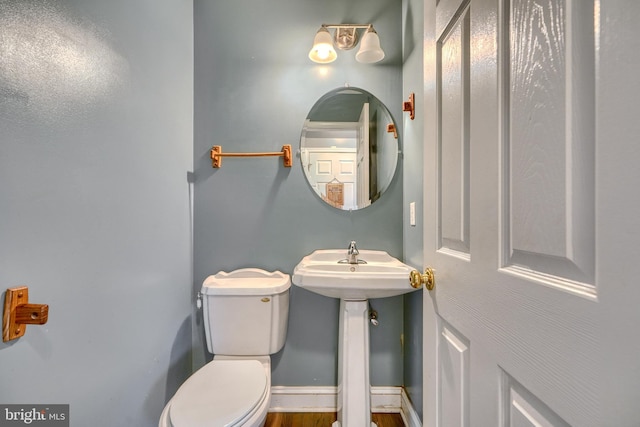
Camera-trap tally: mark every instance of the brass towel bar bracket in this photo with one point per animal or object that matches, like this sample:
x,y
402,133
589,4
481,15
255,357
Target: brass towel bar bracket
x,y
217,155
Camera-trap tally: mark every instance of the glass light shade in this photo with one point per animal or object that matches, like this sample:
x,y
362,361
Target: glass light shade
x,y
322,51
370,50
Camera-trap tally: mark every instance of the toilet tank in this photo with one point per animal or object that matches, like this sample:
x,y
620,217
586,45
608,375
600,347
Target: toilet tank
x,y
246,311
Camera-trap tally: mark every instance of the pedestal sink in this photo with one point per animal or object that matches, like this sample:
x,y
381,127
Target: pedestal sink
x,y
376,275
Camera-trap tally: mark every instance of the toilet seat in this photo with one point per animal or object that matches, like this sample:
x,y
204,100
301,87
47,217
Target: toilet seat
x,y
222,393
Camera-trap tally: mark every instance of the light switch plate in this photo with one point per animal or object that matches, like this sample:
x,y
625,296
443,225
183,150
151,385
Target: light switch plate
x,y
412,213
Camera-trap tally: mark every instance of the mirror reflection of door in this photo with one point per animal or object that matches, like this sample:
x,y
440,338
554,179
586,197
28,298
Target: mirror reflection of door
x,y
329,158
335,168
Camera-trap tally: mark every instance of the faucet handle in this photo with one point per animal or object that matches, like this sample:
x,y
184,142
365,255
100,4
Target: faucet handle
x,y
353,248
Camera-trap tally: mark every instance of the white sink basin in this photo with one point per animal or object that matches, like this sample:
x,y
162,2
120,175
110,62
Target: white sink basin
x,y
381,276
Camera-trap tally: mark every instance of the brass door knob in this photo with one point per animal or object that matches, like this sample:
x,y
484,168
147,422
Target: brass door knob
x,y
428,279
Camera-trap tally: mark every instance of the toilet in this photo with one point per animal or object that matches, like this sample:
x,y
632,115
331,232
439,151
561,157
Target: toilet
x,y
245,320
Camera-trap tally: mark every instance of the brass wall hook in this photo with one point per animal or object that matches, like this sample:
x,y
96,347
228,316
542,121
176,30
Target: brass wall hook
x,y
410,106
18,313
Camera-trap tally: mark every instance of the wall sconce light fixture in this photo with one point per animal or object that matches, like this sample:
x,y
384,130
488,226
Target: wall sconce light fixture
x,y
345,38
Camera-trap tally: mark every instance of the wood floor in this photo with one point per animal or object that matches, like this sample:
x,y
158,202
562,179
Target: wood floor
x,y
324,419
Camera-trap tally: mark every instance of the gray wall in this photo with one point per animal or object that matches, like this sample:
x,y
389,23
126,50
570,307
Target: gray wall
x,y
254,86
412,77
96,112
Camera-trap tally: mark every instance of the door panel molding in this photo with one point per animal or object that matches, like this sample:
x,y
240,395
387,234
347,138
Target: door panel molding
x,y
521,408
547,69
453,377
453,140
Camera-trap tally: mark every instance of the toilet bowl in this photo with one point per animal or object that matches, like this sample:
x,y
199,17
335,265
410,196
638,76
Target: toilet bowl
x,y
245,315
222,393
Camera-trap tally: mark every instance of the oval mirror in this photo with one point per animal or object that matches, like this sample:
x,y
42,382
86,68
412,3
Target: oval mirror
x,y
349,148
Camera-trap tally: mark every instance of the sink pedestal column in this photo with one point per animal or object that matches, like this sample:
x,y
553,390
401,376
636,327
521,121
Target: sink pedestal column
x,y
354,387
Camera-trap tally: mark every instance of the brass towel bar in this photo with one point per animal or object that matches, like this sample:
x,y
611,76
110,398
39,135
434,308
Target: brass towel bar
x,y
217,154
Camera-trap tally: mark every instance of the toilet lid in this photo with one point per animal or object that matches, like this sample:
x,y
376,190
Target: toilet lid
x,y
219,394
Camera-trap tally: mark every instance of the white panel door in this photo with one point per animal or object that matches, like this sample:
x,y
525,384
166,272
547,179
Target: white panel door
x,y
532,213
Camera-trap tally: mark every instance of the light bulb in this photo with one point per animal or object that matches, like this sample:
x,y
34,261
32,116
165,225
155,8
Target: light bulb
x,y
322,51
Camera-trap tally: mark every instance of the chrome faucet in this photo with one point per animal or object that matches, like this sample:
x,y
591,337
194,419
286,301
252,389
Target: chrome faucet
x,y
352,253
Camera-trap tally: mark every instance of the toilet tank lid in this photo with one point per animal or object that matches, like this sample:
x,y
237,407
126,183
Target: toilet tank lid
x,y
246,281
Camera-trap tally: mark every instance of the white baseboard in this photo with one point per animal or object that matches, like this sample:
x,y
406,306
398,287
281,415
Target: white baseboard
x,y
303,399
408,412
323,399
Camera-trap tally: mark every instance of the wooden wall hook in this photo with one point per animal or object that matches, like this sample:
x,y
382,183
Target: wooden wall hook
x,y
18,313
